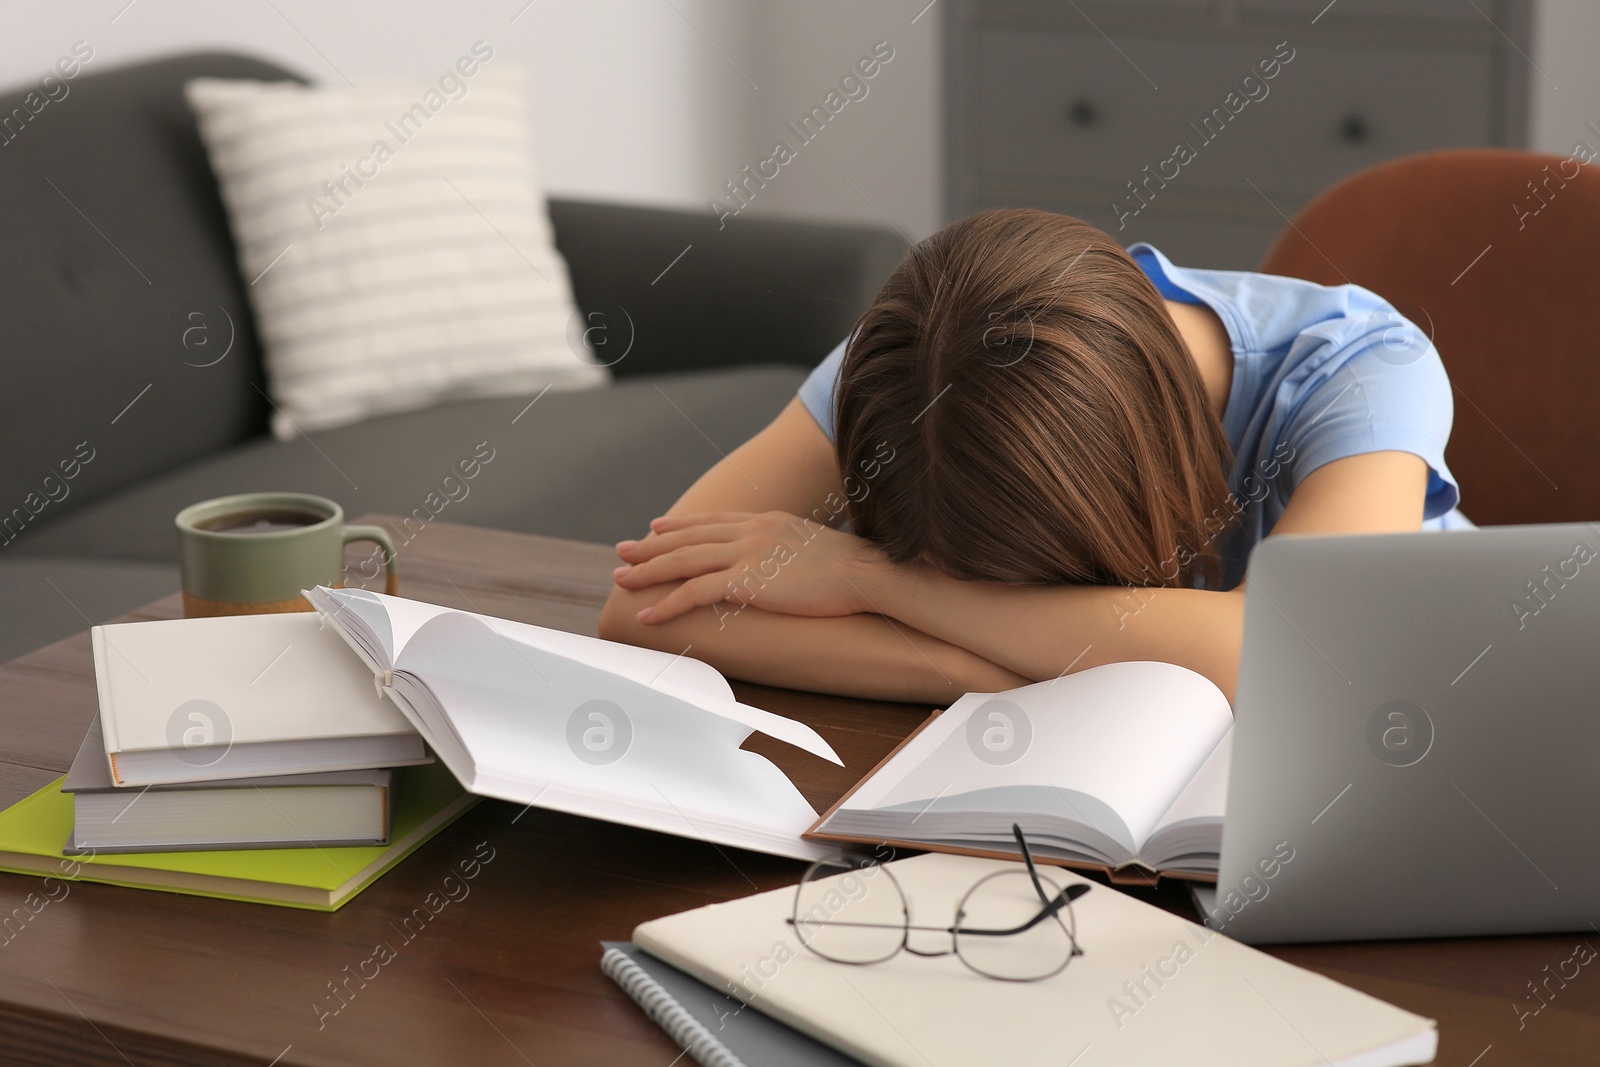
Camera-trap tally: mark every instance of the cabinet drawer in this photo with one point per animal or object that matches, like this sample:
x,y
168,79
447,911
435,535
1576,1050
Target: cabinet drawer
x,y
1233,234
1073,105
1344,9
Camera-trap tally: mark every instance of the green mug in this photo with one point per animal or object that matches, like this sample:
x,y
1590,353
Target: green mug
x,y
252,553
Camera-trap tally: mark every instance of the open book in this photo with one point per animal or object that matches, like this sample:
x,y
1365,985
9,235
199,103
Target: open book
x,y
1119,766
557,720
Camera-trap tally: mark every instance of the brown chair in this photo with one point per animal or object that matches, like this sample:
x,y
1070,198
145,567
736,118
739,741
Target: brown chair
x,y
1494,254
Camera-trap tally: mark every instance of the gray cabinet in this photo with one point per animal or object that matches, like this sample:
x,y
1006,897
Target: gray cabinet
x,y
1199,125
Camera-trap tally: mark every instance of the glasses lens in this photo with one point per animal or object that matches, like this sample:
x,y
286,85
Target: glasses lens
x,y
1004,901
850,914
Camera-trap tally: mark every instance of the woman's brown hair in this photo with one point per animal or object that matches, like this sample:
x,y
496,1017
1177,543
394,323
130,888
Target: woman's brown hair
x,y
1048,424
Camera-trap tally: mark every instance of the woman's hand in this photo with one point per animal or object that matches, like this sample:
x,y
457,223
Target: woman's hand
x,y
776,561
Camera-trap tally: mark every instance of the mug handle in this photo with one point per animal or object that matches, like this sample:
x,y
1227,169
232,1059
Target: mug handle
x,y
379,536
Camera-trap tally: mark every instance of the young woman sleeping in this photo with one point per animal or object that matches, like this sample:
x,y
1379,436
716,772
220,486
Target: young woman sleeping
x,y
1038,452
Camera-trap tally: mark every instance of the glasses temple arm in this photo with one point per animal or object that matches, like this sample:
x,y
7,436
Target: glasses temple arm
x,y
1027,858
1065,897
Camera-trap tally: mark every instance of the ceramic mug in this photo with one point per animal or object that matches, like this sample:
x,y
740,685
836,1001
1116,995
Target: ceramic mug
x,y
252,553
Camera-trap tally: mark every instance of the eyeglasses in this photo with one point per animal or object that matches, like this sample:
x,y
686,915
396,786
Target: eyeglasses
x,y
1013,925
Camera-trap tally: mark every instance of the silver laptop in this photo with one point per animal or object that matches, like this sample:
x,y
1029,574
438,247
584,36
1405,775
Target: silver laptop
x,y
1416,745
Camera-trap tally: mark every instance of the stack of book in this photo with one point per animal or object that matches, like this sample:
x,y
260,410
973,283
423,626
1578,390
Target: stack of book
x,y
251,731
249,757
255,757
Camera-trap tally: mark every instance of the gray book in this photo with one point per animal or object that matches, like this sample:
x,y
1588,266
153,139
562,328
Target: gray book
x,y
327,808
716,1028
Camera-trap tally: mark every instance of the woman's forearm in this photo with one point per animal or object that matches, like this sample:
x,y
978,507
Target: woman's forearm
x,y
860,655
1040,632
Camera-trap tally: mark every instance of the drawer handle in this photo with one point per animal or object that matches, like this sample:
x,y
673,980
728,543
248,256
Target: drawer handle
x,y
1353,128
1082,112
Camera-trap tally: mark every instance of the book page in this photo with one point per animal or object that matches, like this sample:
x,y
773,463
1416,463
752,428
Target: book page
x,y
491,654
1206,796
1129,735
358,618
396,620
527,723
1189,835
646,665
425,639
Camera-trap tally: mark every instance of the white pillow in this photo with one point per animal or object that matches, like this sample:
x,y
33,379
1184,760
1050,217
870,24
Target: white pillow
x,y
395,242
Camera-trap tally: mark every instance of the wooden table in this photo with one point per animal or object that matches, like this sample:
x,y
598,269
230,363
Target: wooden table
x,y
509,974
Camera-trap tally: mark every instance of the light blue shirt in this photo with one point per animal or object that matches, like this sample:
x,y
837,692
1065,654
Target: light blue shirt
x,y
1319,373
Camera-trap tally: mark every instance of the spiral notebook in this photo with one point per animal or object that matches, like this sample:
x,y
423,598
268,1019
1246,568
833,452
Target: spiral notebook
x,y
1150,988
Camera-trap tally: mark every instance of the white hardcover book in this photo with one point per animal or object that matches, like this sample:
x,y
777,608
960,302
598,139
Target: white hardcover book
x,y
240,696
578,724
1150,988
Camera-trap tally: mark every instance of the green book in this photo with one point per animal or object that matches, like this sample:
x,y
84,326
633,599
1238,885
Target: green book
x,y
34,830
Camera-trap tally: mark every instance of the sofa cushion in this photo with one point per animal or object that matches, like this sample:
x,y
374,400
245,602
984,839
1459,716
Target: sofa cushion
x,y
595,465
676,290
396,241
48,598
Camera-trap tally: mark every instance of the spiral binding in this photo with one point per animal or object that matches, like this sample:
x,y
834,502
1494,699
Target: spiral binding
x,y
666,1012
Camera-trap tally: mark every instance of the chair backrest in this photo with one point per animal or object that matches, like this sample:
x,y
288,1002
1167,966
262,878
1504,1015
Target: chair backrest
x,y
1493,253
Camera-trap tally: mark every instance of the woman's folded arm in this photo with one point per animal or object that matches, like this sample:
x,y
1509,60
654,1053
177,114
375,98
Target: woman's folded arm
x,y
860,655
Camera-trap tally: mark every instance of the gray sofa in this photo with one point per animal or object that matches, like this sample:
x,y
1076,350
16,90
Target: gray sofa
x,y
121,293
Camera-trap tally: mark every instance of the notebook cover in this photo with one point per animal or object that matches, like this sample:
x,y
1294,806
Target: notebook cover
x,y
1150,988
33,831
751,1037
1130,875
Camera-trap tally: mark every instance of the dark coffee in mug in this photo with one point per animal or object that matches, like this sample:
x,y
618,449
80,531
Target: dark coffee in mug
x,y
261,520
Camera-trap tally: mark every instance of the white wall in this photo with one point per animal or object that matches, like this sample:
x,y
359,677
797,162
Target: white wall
x,y
630,102
662,101
651,101
879,158
1566,85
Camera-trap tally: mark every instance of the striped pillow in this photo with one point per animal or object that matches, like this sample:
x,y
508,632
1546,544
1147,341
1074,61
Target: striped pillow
x,y
395,241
